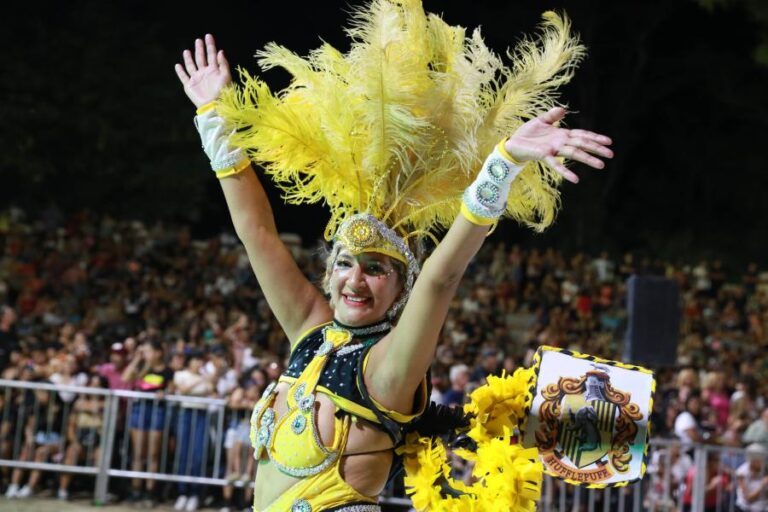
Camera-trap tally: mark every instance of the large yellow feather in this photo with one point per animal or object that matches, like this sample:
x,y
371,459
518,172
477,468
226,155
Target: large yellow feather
x,y
399,125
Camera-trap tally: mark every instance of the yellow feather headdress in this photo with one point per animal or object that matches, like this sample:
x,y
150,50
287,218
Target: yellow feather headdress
x,y
398,126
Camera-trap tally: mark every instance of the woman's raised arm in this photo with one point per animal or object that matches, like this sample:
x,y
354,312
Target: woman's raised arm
x,y
296,303
410,349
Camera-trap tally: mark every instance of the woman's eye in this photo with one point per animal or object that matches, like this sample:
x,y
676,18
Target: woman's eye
x,y
376,270
343,264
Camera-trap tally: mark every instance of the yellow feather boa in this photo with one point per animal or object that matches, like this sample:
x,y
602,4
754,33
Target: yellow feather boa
x,y
508,476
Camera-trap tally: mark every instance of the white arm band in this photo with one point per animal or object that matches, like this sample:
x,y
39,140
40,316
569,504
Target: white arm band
x,y
214,134
486,197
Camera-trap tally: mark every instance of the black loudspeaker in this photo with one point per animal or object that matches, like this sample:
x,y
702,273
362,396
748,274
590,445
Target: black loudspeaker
x,y
653,328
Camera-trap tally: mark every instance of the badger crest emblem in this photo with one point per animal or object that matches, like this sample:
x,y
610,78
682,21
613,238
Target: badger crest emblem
x,y
586,427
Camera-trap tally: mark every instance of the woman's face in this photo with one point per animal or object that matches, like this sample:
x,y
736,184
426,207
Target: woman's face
x,y
259,379
153,355
195,364
363,287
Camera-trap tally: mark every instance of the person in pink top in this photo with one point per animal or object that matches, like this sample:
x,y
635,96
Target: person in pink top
x,y
714,395
113,370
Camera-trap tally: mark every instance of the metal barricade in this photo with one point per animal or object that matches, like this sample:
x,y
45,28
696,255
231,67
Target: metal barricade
x,y
40,429
139,435
194,441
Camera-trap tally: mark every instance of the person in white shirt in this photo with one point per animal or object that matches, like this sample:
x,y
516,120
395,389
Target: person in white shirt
x,y
192,428
752,481
687,426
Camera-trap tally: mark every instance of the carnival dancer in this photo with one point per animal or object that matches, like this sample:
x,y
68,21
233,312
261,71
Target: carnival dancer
x,y
390,135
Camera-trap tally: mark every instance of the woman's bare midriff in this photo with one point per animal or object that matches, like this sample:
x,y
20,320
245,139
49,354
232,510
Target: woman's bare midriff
x,y
364,466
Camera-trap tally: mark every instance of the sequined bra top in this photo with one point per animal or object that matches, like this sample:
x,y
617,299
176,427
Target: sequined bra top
x,y
330,359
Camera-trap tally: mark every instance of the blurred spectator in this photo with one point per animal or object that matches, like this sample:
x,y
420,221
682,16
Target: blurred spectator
x,y
8,339
459,377
240,462
66,374
687,382
192,428
714,395
752,481
220,371
687,424
149,374
715,491
113,370
84,432
757,432
488,365
667,465
41,415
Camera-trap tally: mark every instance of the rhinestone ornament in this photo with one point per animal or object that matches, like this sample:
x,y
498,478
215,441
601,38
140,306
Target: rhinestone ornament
x,y
306,403
268,391
361,233
363,331
298,394
268,418
487,193
263,435
349,349
299,424
324,349
498,170
301,505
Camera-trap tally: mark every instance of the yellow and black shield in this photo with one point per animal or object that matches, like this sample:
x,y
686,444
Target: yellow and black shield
x,y
586,429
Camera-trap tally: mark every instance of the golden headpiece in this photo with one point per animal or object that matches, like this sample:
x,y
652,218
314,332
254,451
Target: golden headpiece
x,y
390,133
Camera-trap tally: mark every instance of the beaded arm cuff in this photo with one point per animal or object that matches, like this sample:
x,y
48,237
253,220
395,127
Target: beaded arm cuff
x,y
225,161
485,199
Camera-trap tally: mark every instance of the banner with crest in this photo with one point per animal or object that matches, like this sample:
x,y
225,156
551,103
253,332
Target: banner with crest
x,y
590,418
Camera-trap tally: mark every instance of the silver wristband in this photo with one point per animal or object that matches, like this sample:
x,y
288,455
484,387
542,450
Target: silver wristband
x,y
487,195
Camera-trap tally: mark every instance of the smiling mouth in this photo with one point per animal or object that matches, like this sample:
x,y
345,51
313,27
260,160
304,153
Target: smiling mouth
x,y
356,300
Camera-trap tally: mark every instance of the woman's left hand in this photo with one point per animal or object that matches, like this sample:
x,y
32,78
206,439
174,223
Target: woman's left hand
x,y
540,139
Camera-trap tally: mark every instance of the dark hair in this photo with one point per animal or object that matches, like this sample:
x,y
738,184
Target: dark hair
x,y
193,354
695,394
103,381
156,345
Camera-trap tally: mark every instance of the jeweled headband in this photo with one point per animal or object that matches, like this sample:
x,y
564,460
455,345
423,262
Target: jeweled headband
x,y
363,232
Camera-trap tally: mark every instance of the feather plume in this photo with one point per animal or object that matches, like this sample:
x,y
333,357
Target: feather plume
x,y
399,125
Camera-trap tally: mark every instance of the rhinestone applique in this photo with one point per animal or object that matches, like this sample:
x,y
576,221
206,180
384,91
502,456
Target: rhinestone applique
x,y
363,331
498,170
299,392
301,506
305,404
324,349
268,418
302,472
256,412
349,349
268,391
487,193
299,424
263,435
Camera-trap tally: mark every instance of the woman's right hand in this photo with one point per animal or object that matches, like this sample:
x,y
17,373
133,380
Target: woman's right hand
x,y
205,76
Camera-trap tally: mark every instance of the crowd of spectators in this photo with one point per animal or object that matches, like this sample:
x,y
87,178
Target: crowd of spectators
x,y
91,296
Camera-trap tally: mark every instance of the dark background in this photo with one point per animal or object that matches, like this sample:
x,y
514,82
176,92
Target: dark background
x,y
93,116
